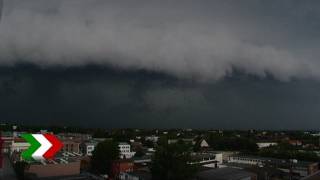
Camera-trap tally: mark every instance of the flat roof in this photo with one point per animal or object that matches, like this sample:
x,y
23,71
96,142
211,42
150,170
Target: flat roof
x,y
284,161
224,174
123,143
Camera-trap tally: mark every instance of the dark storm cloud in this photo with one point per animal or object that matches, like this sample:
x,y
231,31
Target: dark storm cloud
x,y
93,96
151,63
201,39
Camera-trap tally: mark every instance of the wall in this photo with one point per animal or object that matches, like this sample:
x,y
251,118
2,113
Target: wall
x,y
50,170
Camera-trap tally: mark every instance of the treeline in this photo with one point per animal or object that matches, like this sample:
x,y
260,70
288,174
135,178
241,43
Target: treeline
x,y
287,151
241,144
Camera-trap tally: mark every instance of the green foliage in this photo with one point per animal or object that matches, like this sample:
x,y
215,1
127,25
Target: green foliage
x,y
139,152
170,162
245,145
103,155
99,133
286,151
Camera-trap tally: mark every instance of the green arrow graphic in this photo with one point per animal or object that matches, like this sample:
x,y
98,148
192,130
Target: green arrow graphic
x,y
34,145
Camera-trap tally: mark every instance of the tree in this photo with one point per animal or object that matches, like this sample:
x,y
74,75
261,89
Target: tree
x,y
139,152
244,145
19,168
103,155
170,162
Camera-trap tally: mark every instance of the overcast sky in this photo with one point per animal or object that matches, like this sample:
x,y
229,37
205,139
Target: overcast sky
x,y
203,63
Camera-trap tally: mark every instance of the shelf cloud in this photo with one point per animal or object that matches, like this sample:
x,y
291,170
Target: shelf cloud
x,y
204,40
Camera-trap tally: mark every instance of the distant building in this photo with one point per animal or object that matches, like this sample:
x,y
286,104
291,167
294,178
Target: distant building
x,y
295,142
206,159
7,139
75,136
302,168
225,174
120,166
152,138
204,144
266,144
87,148
125,150
135,175
18,145
316,134
71,146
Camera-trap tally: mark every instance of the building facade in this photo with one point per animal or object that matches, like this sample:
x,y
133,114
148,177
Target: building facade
x,y
71,146
87,148
125,151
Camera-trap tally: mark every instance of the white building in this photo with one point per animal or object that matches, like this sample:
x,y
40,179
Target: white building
x,y
266,144
125,150
247,160
204,144
19,146
152,138
88,147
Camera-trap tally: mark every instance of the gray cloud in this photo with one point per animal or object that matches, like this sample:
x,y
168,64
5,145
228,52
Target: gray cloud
x,y
205,40
102,97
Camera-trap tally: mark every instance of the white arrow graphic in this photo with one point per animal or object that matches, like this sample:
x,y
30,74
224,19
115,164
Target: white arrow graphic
x,y
45,146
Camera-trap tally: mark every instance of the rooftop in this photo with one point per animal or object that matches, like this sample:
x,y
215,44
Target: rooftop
x,y
123,143
275,160
224,174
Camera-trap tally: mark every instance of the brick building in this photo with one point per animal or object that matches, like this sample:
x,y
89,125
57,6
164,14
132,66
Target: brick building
x,y
71,146
123,165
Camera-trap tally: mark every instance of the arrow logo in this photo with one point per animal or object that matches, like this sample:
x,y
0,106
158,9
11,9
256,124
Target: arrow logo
x,y
42,146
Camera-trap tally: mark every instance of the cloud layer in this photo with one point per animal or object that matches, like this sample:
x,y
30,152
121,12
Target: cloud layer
x,y
112,99
205,40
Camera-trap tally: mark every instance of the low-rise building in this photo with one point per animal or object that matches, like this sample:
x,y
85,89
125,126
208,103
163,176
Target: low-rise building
x,y
125,151
152,138
266,144
206,159
121,166
6,143
204,144
302,168
71,146
75,136
135,175
87,148
295,142
18,145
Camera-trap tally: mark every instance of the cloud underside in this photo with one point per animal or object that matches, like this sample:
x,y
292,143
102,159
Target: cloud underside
x,y
202,40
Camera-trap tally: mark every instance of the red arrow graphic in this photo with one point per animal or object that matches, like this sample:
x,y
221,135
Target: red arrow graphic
x,y
56,146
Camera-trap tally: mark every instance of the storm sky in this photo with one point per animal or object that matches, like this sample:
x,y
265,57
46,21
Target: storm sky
x,y
147,63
